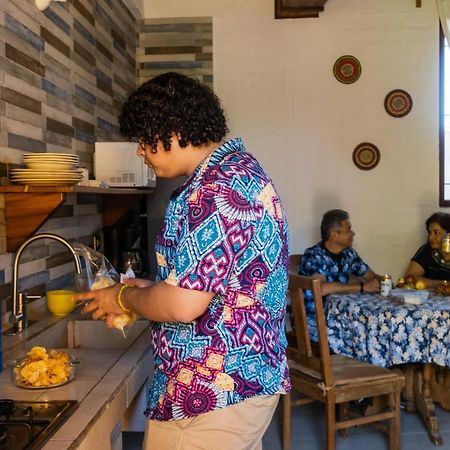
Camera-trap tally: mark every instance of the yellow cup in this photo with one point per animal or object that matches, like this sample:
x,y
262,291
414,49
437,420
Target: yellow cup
x,y
59,302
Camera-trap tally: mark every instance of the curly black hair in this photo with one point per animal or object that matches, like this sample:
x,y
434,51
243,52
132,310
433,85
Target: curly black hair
x,y
172,103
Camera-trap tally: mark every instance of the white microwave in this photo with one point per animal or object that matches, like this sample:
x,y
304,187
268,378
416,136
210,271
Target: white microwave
x,y
117,164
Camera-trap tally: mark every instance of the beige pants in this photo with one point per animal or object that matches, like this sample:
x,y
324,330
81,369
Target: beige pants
x,y
237,427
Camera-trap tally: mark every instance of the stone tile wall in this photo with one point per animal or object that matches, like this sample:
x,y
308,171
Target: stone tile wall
x,y
64,74
181,45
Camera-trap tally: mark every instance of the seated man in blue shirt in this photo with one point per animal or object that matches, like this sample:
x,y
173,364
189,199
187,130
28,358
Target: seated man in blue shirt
x,y
336,263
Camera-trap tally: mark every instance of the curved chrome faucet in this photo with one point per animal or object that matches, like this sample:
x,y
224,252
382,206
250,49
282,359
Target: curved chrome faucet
x,y
19,316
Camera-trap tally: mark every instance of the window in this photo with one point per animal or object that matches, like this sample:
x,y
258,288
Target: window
x,y
444,122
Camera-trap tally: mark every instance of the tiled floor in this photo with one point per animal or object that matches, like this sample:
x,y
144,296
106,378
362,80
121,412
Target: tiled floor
x,y
308,422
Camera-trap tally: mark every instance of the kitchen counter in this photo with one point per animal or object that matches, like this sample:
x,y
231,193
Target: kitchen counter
x,y
106,381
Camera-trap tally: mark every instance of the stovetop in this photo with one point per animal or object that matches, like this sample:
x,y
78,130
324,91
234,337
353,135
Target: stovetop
x,y
28,425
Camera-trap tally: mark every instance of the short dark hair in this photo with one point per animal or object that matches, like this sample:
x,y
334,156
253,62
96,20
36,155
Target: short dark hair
x,y
441,218
173,103
332,220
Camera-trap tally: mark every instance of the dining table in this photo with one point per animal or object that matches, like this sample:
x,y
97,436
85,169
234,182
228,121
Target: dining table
x,y
387,332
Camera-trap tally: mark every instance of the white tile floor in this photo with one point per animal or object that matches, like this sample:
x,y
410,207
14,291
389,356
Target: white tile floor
x,y
308,433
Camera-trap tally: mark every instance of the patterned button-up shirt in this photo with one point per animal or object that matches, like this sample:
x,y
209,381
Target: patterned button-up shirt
x,y
335,268
224,232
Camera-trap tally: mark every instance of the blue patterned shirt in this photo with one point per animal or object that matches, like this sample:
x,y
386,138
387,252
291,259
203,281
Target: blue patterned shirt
x,y
224,232
335,268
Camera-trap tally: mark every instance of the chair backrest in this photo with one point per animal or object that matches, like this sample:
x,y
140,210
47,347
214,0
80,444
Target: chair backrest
x,y
294,262
303,353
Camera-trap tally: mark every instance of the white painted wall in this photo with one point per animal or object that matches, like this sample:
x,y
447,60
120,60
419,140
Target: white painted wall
x,y
276,83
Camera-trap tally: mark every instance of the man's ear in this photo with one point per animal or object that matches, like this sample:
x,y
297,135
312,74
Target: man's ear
x,y
175,140
333,234
176,137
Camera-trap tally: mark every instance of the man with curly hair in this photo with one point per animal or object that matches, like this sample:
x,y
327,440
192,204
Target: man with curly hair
x,y
217,310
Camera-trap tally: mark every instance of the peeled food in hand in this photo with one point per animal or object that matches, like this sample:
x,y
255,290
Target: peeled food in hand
x,y
102,282
123,320
120,322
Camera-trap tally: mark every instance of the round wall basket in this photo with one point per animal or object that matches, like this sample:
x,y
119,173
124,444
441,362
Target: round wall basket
x,y
366,156
398,103
347,69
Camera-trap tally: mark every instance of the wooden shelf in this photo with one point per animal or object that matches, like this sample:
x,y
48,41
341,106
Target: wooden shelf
x,y
77,189
28,207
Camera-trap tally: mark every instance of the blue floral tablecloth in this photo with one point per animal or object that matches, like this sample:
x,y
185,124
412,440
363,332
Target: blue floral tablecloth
x,y
373,328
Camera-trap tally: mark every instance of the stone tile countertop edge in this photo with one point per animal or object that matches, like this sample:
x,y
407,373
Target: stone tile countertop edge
x,y
122,378
74,430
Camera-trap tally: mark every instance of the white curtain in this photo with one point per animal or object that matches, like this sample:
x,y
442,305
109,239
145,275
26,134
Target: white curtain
x,y
443,7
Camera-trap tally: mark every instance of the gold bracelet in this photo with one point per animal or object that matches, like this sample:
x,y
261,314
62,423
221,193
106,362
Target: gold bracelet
x,y
120,300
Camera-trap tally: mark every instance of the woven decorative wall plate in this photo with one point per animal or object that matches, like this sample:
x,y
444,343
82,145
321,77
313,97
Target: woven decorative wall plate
x,y
366,156
398,103
347,69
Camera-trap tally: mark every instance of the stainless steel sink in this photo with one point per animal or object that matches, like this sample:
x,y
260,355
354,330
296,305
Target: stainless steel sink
x,y
85,333
94,334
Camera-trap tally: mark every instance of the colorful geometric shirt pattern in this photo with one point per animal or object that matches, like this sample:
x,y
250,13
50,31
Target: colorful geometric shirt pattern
x,y
224,232
318,260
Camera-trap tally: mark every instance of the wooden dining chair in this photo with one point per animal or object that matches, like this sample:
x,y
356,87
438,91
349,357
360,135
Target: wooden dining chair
x,y
294,262
334,379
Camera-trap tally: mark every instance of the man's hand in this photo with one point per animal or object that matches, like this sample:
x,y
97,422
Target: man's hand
x,y
102,302
372,285
159,302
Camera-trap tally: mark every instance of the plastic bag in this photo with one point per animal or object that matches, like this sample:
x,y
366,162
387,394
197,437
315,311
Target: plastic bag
x,y
128,274
96,268
99,273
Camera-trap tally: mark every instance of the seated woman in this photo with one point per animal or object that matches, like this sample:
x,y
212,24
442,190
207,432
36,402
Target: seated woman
x,y
430,264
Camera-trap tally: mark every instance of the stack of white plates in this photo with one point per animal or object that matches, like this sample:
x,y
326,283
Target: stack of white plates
x,y
48,169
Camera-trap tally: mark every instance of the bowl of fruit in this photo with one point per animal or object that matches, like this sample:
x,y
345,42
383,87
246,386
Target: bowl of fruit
x,y
411,282
411,290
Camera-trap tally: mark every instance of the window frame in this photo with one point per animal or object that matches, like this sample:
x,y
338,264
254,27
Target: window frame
x,y
442,200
